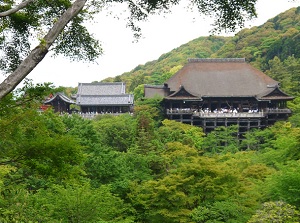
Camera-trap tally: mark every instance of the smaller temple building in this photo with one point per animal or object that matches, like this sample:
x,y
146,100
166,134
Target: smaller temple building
x,y
59,102
222,92
104,98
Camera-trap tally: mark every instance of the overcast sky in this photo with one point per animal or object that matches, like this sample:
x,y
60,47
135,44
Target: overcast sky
x,y
161,34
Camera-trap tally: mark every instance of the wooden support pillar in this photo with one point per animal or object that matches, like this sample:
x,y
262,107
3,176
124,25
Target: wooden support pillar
x,y
219,105
248,124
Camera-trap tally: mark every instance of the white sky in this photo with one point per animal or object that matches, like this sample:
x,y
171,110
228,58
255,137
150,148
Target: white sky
x,y
161,34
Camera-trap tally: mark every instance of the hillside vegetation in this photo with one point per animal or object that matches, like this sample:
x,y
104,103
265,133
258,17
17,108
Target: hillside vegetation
x,y
144,168
272,47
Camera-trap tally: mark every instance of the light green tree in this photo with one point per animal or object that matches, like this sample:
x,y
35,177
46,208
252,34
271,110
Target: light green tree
x,y
189,181
284,184
277,211
70,203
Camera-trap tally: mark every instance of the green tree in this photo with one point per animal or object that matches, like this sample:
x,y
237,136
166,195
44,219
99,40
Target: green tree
x,y
138,92
116,132
72,203
38,148
284,185
189,181
172,131
283,146
82,130
276,212
222,140
148,114
220,211
295,107
257,139
118,169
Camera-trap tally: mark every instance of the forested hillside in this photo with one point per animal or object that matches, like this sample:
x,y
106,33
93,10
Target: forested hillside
x,y
272,47
279,37
143,168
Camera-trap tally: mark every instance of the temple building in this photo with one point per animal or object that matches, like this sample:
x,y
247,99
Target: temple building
x,y
104,98
222,92
59,102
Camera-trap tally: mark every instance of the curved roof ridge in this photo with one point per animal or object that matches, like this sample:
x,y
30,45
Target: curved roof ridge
x,y
275,89
62,96
181,88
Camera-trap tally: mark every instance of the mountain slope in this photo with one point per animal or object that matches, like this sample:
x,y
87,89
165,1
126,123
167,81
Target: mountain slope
x,y
279,36
266,47
157,71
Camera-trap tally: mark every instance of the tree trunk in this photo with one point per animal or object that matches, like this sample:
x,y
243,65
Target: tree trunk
x,y
39,52
17,8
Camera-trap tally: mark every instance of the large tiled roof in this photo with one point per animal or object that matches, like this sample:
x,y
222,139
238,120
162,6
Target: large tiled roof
x,y
106,100
231,77
101,88
105,94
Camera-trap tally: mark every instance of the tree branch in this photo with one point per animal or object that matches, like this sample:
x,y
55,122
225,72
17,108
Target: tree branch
x,y
17,8
39,52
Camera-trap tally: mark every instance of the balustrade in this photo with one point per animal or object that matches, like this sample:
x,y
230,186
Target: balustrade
x,y
227,113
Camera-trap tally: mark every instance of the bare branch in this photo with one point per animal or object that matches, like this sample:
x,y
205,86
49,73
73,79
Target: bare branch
x,y
39,52
17,8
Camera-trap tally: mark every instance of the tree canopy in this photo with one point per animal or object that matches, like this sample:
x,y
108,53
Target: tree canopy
x,y
142,168
58,25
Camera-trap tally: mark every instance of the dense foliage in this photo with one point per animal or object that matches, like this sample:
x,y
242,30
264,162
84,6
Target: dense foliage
x,y
144,168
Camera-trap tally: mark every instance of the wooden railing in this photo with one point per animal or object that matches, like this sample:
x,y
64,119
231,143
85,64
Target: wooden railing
x,y
180,111
278,111
92,115
229,115
207,113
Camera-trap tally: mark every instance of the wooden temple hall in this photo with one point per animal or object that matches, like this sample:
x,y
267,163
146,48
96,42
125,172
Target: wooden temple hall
x,y
59,102
93,98
104,98
221,92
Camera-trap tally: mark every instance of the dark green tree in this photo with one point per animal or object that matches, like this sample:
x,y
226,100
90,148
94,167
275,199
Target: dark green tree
x,y
222,140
